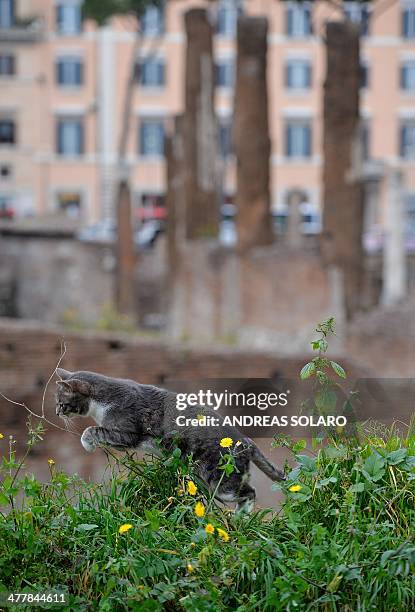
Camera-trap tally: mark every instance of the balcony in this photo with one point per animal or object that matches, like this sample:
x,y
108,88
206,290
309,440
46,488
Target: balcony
x,y
23,30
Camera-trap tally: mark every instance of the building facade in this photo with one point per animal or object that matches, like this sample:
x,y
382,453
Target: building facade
x,y
63,86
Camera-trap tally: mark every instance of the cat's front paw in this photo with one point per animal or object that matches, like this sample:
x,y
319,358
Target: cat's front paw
x,y
87,441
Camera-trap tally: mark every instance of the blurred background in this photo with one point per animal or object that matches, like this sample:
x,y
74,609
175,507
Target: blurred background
x,y
187,188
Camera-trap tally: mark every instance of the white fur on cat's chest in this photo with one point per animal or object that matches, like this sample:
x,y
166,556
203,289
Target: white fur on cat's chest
x,y
97,411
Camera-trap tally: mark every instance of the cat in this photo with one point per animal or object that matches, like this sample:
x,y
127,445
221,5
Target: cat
x,y
130,415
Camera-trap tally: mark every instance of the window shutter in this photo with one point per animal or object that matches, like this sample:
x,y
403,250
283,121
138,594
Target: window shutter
x,y
288,141
79,73
289,21
59,17
307,130
160,146
81,143
308,75
402,141
59,137
403,75
141,139
405,29
308,29
162,73
288,76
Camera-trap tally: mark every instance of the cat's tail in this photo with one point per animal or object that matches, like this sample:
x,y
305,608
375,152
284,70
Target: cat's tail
x,y
264,465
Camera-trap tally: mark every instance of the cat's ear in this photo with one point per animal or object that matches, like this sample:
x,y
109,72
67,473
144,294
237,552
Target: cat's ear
x,y
76,386
63,384
63,374
80,386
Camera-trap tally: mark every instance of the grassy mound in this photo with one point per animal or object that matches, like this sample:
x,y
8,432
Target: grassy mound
x,y
150,537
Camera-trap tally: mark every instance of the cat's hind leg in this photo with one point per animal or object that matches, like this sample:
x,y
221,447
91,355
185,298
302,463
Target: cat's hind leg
x,y
237,489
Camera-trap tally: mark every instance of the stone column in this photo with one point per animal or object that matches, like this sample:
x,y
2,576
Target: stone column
x,y
343,189
251,134
126,260
294,236
200,129
394,255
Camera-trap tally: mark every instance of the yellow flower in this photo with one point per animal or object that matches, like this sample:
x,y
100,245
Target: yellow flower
x,y
226,442
200,417
51,462
209,528
192,544
295,488
191,488
190,567
200,510
1,436
124,528
223,534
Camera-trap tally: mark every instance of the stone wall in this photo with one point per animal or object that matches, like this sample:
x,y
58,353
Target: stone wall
x,y
49,275
270,297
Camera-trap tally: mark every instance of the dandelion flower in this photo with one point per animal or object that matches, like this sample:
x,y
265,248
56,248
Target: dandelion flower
x,y
191,488
200,417
223,534
51,462
1,436
226,442
295,488
190,567
124,528
200,510
209,528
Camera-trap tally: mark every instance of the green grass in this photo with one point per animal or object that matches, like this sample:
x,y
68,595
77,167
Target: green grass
x,y
343,541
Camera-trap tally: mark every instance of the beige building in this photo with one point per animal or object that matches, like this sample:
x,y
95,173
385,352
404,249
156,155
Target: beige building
x,y
63,84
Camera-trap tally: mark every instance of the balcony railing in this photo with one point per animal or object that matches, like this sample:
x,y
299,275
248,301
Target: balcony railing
x,y
27,30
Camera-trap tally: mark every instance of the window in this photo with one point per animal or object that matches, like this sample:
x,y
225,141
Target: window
x,y
408,22
364,76
70,136
7,210
365,140
69,71
227,19
298,18
151,137
68,18
6,13
225,139
407,140
7,64
7,131
298,138
5,171
298,74
152,22
358,13
151,72
69,203
225,73
407,76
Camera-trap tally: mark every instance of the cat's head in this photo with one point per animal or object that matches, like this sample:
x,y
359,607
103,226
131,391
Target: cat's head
x,y
73,394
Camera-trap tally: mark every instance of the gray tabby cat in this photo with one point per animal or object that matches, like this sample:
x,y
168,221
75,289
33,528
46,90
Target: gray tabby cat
x,y
130,415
